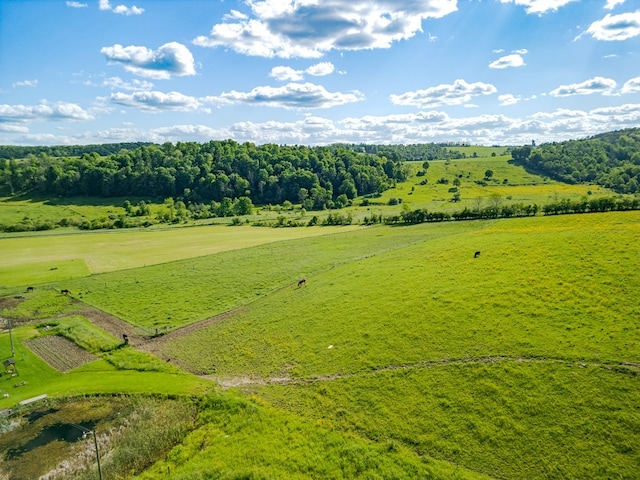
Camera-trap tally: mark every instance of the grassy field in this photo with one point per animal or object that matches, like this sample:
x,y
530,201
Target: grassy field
x,y
36,259
402,357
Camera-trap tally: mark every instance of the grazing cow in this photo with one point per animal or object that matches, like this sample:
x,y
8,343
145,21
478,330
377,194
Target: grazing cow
x,y
53,268
476,255
29,289
65,291
125,337
302,282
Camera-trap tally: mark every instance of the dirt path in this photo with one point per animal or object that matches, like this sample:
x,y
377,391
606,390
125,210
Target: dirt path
x,y
154,345
111,324
244,381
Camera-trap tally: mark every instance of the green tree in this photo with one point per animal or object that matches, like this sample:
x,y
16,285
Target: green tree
x,y
243,206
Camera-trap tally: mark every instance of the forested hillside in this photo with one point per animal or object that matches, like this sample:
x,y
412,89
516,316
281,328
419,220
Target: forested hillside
x,y
610,159
314,176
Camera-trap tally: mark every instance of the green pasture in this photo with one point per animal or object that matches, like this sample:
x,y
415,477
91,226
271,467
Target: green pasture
x,y
244,439
516,364
14,210
402,357
518,420
557,287
508,184
480,151
178,293
35,259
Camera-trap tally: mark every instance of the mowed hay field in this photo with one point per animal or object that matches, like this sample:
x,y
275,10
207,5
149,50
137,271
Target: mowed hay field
x,y
403,356
522,363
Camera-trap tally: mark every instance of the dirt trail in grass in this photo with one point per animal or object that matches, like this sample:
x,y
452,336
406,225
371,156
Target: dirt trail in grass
x,y
245,381
111,324
154,345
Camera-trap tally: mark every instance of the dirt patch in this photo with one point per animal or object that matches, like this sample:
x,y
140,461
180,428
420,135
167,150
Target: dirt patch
x,y
59,353
110,324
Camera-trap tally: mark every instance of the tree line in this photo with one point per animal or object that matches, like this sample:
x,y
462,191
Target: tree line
x,y
316,177
610,159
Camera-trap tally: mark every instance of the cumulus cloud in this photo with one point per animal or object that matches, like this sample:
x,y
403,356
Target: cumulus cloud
x,y
321,69
540,6
120,9
153,101
76,4
421,127
604,86
308,29
513,60
509,99
286,73
631,86
611,4
14,118
25,83
292,95
615,27
458,93
170,59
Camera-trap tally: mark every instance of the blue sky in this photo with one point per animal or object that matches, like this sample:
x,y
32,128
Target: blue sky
x,y
315,72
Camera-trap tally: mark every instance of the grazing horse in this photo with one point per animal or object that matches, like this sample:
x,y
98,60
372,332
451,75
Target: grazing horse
x,y
476,255
65,291
29,289
302,282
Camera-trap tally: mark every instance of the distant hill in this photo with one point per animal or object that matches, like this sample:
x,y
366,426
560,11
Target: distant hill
x,y
610,159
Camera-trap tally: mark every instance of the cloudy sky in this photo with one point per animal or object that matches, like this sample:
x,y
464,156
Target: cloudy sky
x,y
315,72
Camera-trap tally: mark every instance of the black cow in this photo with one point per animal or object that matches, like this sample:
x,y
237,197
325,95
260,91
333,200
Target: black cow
x,y
65,291
476,255
302,282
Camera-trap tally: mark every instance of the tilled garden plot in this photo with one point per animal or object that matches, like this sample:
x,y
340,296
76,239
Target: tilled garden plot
x,y
60,353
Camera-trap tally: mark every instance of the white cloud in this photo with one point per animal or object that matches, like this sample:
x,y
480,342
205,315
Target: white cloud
x,y
154,101
321,69
421,127
286,73
73,4
615,27
170,59
309,28
14,115
631,86
292,95
611,4
25,83
513,60
509,99
133,85
120,9
604,86
540,6
459,93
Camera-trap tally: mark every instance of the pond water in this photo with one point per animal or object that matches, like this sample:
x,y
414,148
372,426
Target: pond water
x,y
57,432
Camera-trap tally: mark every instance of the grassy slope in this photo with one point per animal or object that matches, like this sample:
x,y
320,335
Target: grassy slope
x,y
507,364
178,293
542,287
414,352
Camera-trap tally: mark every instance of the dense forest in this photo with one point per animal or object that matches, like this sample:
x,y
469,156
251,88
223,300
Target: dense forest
x,y
316,177
609,159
